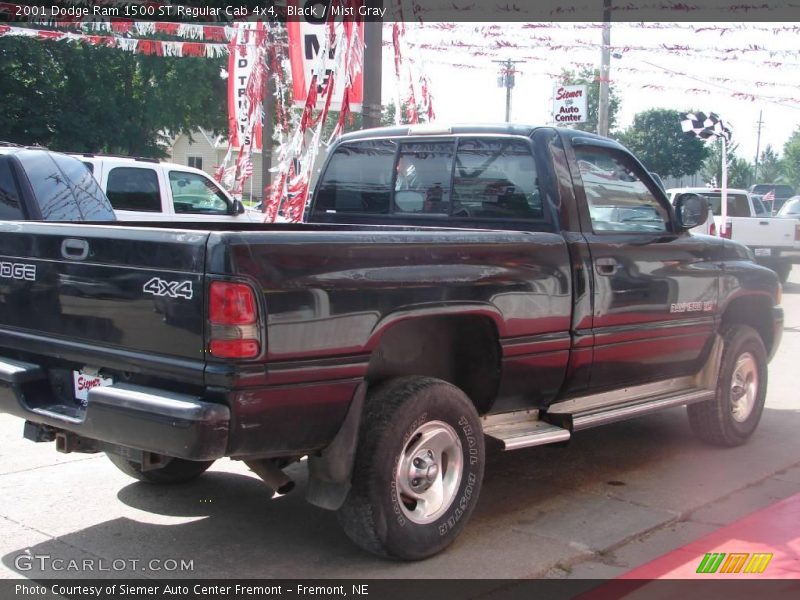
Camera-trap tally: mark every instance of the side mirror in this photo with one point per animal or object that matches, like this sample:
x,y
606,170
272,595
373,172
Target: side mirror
x,y
691,210
238,207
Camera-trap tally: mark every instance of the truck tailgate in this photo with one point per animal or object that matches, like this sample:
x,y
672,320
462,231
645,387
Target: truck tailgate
x,y
763,231
102,288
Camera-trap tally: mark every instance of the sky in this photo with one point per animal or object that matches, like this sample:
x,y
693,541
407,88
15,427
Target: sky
x,y
699,66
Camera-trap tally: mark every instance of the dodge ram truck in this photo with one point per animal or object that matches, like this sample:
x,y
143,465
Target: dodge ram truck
x,y
456,287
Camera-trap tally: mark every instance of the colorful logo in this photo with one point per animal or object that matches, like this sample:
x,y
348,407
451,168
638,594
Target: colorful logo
x,y
741,562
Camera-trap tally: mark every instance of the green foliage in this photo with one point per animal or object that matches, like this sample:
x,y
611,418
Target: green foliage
x,y
656,138
75,97
791,159
591,77
355,121
740,171
770,167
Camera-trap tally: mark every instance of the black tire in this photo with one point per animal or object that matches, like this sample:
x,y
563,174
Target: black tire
x,y
783,270
398,416
177,470
716,421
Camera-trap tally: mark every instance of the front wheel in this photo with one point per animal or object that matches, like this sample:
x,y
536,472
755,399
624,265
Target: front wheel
x,y
732,416
177,470
418,469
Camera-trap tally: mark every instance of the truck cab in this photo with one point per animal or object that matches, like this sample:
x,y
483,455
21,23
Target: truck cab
x,y
143,189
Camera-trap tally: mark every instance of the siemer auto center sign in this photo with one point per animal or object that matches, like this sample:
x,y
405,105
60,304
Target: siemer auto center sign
x,y
569,104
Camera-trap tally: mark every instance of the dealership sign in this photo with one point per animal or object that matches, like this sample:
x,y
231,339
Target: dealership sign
x,y
569,104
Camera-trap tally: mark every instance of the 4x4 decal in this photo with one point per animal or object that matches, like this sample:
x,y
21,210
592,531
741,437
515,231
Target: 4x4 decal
x,y
171,289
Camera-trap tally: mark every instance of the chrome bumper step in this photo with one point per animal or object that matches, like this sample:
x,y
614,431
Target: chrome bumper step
x,y
522,429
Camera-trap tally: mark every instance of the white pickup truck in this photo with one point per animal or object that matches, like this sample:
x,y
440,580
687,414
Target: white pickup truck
x,y
143,189
775,242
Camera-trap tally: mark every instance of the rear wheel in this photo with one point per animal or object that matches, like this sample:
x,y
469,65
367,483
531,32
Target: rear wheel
x,y
177,470
418,469
732,416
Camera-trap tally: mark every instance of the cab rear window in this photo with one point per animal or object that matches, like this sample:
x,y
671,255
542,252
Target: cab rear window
x,y
64,188
10,209
469,178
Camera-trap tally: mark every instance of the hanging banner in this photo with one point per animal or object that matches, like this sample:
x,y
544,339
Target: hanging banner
x,y
569,104
305,41
244,119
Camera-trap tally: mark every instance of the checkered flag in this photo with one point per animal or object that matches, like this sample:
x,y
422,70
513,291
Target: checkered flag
x,y
709,127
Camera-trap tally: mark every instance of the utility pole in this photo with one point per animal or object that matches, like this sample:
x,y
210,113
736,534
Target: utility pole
x,y
506,79
267,121
605,70
758,147
373,41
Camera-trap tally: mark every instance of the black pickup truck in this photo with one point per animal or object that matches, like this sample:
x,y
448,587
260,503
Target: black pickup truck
x,y
41,185
456,287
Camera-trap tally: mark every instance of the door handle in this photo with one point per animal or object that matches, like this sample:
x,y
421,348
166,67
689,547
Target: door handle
x,y
763,222
73,249
606,266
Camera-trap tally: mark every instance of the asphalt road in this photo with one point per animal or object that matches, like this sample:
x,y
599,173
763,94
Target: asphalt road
x,y
614,498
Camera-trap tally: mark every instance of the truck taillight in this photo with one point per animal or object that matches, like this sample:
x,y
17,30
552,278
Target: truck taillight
x,y
233,316
728,233
797,232
713,229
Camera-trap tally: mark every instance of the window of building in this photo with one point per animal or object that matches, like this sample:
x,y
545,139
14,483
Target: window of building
x,y
196,162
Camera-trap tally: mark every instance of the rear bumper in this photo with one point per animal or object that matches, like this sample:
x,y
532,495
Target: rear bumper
x,y
147,419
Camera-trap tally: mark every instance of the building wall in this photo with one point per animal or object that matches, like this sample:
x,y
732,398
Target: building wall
x,y
182,148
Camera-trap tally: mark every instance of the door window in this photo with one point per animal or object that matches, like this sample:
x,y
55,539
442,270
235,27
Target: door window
x,y
131,188
193,193
618,199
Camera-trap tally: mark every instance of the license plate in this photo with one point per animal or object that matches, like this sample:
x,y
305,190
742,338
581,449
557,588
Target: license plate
x,y
84,382
763,251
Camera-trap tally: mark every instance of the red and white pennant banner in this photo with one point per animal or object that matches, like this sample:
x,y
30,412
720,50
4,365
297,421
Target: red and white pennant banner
x,y
246,71
137,46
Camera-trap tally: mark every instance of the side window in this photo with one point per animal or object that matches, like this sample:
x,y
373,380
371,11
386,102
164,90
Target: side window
x,y
618,199
422,180
193,193
358,179
737,204
495,179
92,204
10,210
131,188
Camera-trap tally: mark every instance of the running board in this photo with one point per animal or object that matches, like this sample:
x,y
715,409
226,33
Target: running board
x,y
585,420
522,429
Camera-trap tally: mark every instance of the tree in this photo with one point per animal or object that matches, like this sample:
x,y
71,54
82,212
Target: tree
x,y
739,170
791,159
81,98
591,78
770,167
655,137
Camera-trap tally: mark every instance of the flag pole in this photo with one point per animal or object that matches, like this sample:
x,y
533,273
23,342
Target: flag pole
x,y
723,226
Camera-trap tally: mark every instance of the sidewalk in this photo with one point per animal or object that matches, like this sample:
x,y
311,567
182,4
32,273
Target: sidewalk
x,y
774,530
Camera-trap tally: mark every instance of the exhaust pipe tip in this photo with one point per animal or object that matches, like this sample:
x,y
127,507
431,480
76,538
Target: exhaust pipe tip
x,y
270,474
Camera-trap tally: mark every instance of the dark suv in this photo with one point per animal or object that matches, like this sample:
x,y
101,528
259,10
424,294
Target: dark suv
x,y
40,185
782,194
